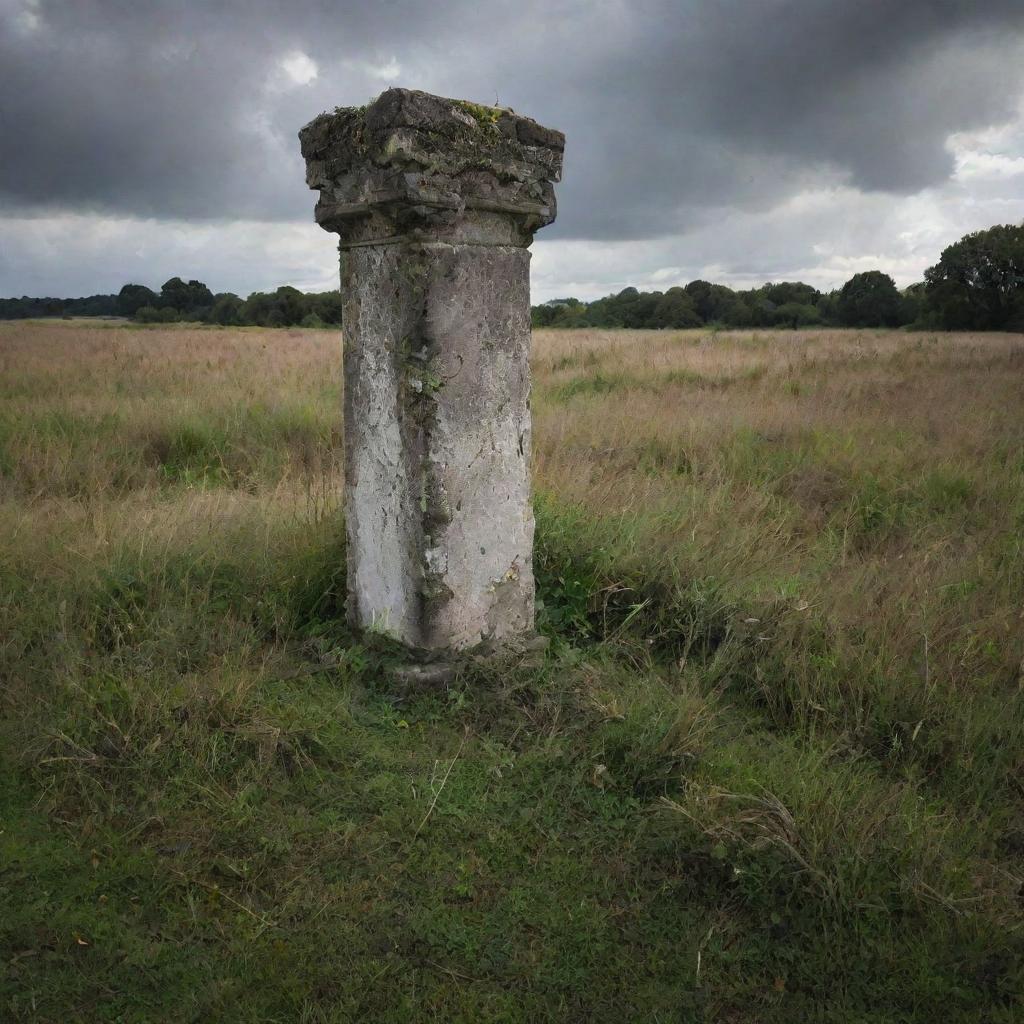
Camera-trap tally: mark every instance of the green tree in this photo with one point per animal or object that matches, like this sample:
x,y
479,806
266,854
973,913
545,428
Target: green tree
x,y
572,313
674,309
915,303
870,299
327,306
192,297
132,297
797,314
226,309
714,303
787,292
152,315
828,307
291,304
257,309
978,283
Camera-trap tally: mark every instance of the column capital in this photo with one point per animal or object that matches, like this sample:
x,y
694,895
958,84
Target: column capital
x,y
411,166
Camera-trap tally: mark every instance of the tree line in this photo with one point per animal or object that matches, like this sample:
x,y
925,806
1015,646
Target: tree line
x,y
190,301
977,285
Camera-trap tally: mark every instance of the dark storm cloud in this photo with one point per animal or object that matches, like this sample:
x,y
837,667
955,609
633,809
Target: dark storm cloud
x,y
165,109
672,110
740,103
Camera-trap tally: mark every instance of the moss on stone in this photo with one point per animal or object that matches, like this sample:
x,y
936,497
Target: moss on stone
x,y
485,117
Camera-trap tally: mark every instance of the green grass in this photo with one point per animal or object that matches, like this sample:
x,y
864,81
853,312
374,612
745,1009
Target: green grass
x,y
65,455
602,383
597,384
768,771
223,809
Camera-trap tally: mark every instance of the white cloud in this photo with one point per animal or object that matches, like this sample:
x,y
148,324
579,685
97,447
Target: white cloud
x,y
299,67
387,71
821,236
972,164
990,156
380,69
99,254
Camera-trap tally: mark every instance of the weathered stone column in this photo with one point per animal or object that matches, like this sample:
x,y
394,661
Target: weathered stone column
x,y
436,201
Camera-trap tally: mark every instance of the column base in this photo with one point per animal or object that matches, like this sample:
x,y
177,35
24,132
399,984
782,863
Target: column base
x,y
433,672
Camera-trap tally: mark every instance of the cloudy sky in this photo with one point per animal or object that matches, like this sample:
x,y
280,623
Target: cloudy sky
x,y
736,140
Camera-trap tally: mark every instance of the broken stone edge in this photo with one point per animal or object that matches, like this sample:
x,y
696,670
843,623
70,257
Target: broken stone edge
x,y
409,149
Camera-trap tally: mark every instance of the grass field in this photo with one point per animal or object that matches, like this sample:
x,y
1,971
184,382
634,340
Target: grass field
x,y
771,769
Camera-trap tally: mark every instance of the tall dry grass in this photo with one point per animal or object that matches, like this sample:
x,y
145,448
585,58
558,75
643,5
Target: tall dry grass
x,y
872,475
784,571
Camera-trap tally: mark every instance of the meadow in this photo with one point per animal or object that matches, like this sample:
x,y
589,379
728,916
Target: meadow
x,y
770,769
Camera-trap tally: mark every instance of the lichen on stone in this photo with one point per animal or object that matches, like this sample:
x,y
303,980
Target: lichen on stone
x,y
409,146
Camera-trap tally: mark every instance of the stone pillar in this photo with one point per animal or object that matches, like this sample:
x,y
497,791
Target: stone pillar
x,y
436,201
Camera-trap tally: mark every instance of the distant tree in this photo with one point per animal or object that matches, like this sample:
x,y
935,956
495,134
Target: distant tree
x,y
571,314
790,303
291,304
785,292
17,309
327,306
674,309
175,293
915,304
542,315
870,299
760,311
132,297
781,304
629,308
285,307
257,309
796,314
92,305
978,283
828,307
153,315
735,313
190,297
599,313
713,303
226,309
26,306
